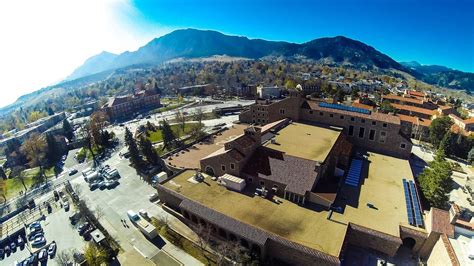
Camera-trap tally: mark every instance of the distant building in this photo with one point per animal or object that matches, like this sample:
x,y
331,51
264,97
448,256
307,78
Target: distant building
x,y
466,125
39,126
121,107
268,92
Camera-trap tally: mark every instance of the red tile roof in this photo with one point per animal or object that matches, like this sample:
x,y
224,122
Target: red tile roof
x,y
414,109
363,106
416,93
402,99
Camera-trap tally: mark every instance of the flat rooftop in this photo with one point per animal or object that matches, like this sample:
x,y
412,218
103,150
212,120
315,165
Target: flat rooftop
x,y
305,141
310,227
190,159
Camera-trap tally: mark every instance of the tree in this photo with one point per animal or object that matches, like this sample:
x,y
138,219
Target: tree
x,y
2,173
88,141
132,148
446,143
386,107
35,150
3,189
94,255
99,120
290,84
169,138
198,116
52,149
197,132
181,119
435,181
68,130
470,156
204,234
438,128
64,257
19,174
148,151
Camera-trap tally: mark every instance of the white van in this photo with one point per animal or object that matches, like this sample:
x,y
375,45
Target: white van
x,y
133,216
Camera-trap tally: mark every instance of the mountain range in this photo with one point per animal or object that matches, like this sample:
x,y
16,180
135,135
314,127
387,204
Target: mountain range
x,y
191,43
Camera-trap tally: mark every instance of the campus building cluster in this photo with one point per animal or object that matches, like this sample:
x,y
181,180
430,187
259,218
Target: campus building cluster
x,y
121,107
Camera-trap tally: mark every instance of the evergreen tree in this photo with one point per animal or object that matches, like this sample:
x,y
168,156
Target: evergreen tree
x,y
52,150
438,129
169,138
446,143
435,181
150,153
132,148
68,130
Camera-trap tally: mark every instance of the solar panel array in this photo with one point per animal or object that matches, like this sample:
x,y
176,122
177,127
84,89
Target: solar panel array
x,y
411,220
345,108
412,203
353,177
416,204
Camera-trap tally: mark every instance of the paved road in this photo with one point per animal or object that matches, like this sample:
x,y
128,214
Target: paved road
x,y
131,194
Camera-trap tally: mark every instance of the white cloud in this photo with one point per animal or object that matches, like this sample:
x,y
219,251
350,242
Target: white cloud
x,y
42,42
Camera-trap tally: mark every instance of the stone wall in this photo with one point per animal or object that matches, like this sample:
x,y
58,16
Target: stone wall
x,y
439,255
371,239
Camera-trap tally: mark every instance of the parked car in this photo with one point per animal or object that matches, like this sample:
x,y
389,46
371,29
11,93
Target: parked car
x,y
153,197
93,185
82,228
34,232
33,259
52,249
13,246
111,183
2,253
38,241
7,250
102,185
73,172
74,217
56,195
35,225
66,206
43,255
20,241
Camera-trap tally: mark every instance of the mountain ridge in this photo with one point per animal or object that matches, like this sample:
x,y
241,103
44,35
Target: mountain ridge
x,y
193,43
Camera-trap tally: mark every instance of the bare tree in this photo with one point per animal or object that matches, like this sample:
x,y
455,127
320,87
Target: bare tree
x,y
99,212
181,119
35,150
199,115
77,189
18,173
203,232
64,257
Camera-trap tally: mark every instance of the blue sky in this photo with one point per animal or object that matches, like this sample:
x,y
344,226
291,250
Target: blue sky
x,y
430,32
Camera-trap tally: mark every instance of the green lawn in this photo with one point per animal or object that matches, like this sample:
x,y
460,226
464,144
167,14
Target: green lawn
x,y
157,136
168,108
14,185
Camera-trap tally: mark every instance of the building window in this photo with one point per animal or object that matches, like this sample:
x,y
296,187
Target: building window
x,y
384,124
250,180
361,132
352,119
372,134
351,130
282,111
342,117
321,113
223,167
383,135
362,120
331,115
374,123
403,145
310,112
262,183
258,120
263,121
232,166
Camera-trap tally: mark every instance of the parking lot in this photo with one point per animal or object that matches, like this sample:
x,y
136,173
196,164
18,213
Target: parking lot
x,y
131,194
56,228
